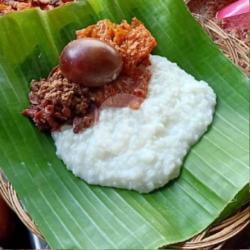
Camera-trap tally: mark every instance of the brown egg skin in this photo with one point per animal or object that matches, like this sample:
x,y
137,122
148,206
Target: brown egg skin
x,y
90,62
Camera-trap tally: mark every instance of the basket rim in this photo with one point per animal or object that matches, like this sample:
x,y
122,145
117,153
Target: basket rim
x,y
215,235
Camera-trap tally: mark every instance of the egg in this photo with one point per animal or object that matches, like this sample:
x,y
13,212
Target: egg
x,y
90,62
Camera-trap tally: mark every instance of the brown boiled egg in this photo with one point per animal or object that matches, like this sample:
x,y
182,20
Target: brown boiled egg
x,y
90,62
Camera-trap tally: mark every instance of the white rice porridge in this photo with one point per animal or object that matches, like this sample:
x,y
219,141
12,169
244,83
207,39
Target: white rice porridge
x,y
142,149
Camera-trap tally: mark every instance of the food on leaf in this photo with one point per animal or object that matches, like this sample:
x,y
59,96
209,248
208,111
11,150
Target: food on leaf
x,y
49,113
119,116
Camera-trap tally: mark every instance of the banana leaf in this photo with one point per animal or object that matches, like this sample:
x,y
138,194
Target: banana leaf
x,y
70,213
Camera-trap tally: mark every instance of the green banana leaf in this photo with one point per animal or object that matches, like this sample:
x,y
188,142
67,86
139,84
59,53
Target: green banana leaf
x,y
72,214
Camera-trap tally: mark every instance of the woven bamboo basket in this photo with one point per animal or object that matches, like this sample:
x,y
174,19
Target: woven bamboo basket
x,y
216,235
